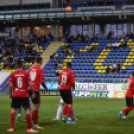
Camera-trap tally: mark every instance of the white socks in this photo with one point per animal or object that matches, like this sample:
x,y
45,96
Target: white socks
x,y
59,111
73,113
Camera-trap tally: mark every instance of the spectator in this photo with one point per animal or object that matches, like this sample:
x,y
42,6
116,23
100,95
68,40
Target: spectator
x,y
66,35
131,36
28,57
34,49
57,62
114,67
127,35
118,67
70,52
8,66
60,65
82,37
113,33
10,59
109,35
108,69
50,36
29,49
86,38
117,45
109,45
76,52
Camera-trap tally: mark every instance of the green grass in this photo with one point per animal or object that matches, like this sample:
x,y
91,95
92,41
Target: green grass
x,y
96,116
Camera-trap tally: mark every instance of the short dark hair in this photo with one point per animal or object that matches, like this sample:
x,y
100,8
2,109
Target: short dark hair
x,y
133,73
19,63
39,59
69,64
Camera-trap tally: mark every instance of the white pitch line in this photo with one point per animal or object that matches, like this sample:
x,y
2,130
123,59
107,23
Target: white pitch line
x,y
41,118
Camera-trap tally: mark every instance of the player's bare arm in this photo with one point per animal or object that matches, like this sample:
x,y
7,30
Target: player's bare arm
x,y
31,87
10,89
7,84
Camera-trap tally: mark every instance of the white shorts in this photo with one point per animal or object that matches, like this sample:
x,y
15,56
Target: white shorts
x,y
61,100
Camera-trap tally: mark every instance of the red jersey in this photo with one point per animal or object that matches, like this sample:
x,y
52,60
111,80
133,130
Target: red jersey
x,y
36,74
20,79
66,79
130,87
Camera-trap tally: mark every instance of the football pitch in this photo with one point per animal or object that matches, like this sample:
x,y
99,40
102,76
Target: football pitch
x,y
96,116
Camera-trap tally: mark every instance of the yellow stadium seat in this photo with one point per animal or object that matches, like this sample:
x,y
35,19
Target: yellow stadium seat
x,y
104,57
102,53
84,50
1,63
98,60
127,60
68,57
104,50
92,44
89,47
86,47
70,60
123,67
130,47
132,57
26,64
25,45
125,64
99,64
80,50
122,40
129,57
64,64
132,50
108,50
37,51
105,67
101,67
97,68
66,60
64,67
62,44
95,64
41,51
130,40
96,44
131,60
99,71
100,57
130,64
30,63
132,43
40,47
103,71
102,60
106,53
9,70
131,53
66,44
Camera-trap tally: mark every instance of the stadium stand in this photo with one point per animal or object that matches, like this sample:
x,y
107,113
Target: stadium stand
x,y
25,49
91,66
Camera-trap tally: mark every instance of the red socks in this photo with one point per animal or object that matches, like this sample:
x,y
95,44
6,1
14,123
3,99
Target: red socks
x,y
12,117
35,117
28,119
127,110
69,109
65,110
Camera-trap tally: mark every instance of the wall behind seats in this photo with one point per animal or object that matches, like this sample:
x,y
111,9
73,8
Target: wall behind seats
x,y
35,1
9,2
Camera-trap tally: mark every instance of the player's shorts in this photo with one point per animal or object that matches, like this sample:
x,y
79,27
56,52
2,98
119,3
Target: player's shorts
x,y
66,95
61,100
36,100
20,101
129,101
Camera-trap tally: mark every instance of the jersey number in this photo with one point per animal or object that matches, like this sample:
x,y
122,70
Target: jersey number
x,y
32,75
64,79
20,83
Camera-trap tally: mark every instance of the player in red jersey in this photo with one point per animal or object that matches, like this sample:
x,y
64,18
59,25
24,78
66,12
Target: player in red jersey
x,y
67,82
37,77
129,98
18,84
